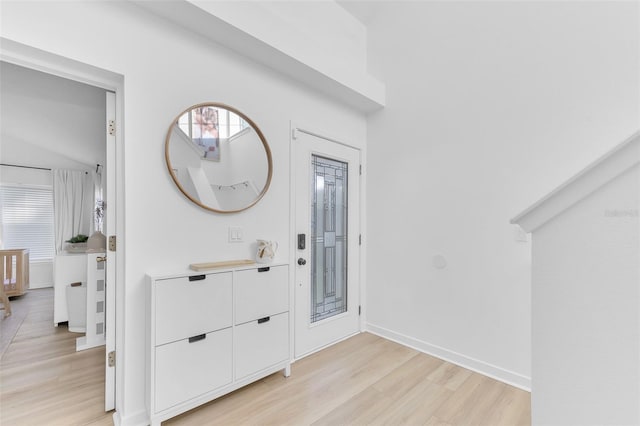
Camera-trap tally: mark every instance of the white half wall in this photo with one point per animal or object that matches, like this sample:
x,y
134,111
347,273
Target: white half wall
x,y
40,274
490,105
586,310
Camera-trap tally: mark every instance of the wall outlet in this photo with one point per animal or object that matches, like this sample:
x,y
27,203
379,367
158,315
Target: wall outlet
x,y
235,234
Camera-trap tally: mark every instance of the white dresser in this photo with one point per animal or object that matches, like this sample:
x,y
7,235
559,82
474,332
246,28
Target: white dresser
x,y
211,333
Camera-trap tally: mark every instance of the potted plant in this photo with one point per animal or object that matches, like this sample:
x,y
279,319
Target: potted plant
x,y
77,244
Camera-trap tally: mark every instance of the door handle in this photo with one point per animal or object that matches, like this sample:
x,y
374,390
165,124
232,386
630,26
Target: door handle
x,y
101,259
302,262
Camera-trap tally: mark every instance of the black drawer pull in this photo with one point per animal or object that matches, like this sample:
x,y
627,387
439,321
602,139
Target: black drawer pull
x,y
265,269
197,277
262,320
197,338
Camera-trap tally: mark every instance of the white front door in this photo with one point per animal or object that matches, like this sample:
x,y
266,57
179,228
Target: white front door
x,y
327,269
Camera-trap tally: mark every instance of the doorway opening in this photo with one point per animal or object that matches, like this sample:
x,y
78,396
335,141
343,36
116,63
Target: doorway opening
x,y
41,104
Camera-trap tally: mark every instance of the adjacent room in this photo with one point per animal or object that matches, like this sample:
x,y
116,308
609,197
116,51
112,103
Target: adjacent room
x,y
320,212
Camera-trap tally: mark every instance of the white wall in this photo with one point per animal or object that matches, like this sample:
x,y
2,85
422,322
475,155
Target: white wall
x,y
166,69
40,274
490,105
24,176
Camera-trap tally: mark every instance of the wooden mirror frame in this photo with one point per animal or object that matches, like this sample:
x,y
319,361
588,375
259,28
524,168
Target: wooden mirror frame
x,y
253,126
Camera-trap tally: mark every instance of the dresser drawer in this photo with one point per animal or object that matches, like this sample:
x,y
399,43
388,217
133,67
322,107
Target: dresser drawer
x,y
188,306
185,370
261,344
260,294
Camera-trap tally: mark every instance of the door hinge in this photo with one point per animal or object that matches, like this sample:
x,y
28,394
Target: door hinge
x,y
359,310
360,239
360,169
112,243
112,127
111,359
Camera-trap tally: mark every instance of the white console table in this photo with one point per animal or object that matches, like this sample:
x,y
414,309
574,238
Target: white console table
x,y
211,333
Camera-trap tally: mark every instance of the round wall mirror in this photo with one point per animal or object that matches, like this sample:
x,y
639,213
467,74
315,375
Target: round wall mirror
x,y
218,158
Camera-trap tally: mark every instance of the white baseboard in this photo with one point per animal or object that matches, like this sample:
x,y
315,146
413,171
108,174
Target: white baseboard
x,y
506,376
138,419
35,286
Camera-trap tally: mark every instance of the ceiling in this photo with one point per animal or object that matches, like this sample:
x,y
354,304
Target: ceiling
x,y
364,11
50,121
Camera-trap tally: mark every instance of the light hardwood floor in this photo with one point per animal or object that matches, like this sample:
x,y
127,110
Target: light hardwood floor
x,y
43,380
363,380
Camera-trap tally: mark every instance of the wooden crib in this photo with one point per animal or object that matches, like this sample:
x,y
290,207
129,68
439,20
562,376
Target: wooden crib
x,y
14,271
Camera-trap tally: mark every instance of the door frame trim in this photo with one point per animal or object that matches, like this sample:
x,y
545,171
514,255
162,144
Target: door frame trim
x,y
40,60
294,129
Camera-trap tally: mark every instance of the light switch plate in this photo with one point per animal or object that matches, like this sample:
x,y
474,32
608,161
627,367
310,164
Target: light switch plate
x,y
235,234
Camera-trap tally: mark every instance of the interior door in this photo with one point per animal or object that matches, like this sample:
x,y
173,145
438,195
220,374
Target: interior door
x,y
110,228
327,287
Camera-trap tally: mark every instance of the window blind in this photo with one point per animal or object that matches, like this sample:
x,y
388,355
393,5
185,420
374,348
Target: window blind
x,y
27,219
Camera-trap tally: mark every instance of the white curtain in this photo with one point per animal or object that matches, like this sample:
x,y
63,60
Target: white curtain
x,y
73,201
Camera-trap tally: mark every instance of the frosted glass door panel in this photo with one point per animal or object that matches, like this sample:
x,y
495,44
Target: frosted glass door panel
x,y
328,238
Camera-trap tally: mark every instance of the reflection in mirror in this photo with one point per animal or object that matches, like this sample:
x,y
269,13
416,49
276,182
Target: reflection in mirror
x,y
218,158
